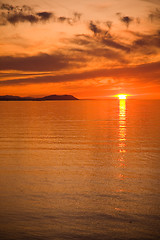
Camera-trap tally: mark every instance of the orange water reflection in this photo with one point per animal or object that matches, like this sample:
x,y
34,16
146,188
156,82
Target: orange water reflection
x,y
122,122
122,143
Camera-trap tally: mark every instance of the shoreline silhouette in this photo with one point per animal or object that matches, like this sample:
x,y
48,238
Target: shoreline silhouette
x,y
46,98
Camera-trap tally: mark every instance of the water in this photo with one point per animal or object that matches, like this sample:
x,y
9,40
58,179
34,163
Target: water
x,y
80,170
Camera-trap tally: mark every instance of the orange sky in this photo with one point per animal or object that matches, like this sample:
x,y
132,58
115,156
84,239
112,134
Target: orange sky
x,y
87,48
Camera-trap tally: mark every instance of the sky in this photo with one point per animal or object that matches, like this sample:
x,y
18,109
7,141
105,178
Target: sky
x,y
88,48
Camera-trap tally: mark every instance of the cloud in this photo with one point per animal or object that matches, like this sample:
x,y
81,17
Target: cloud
x,y
82,40
6,7
68,20
15,8
146,43
154,15
94,28
102,40
109,24
141,73
75,18
89,46
77,15
113,44
20,17
45,16
41,62
17,74
16,14
101,52
19,14
125,19
98,31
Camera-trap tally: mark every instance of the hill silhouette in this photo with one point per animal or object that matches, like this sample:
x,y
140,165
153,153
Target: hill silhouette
x,y
46,98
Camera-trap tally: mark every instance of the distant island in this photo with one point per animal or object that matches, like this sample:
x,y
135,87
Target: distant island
x,y
46,98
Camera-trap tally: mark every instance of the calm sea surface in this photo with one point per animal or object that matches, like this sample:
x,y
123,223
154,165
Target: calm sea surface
x,y
80,170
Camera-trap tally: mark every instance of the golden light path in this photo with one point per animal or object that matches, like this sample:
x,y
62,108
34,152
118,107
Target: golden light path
x,y
122,119
122,138
121,147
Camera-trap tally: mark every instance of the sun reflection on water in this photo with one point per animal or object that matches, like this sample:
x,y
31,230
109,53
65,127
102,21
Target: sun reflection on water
x,y
122,121
122,129
122,144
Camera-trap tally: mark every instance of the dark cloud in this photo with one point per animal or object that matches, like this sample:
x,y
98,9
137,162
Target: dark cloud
x,y
102,41
62,19
77,16
126,20
45,16
113,44
94,28
100,32
141,73
74,57
99,48
109,24
101,52
147,43
16,14
6,7
154,15
18,74
20,17
70,21
27,8
82,41
15,8
41,62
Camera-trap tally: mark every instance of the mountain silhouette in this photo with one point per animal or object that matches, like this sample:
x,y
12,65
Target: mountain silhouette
x,y
46,98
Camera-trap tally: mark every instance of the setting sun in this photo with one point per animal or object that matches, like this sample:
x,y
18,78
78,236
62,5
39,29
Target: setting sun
x,y
122,96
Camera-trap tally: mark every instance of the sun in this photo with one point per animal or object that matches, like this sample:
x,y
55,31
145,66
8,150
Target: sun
x,y
122,96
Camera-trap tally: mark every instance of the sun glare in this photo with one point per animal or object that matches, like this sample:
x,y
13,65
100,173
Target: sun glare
x,y
122,96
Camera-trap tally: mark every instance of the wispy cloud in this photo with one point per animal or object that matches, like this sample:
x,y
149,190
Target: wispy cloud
x,y
99,47
102,37
16,14
154,15
146,43
143,73
125,19
94,28
10,14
